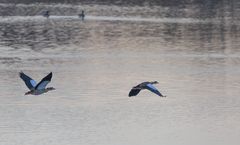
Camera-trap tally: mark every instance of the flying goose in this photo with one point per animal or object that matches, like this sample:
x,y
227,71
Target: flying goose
x,y
36,89
145,85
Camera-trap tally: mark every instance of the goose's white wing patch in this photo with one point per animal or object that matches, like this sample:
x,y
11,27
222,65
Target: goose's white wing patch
x,y
151,87
42,85
33,83
30,83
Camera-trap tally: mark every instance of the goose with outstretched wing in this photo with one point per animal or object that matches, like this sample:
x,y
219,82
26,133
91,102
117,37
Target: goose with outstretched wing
x,y
36,89
145,85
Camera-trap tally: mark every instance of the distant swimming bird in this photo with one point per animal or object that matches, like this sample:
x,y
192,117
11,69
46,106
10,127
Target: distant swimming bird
x,y
145,85
46,14
36,89
82,15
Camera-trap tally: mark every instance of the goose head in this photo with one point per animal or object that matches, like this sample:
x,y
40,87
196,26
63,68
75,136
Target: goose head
x,y
29,92
154,82
50,89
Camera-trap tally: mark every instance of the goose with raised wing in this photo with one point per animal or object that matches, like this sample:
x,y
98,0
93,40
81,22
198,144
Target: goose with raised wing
x,y
145,85
36,89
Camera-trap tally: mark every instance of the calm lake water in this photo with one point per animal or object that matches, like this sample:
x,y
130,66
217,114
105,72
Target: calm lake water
x,y
194,56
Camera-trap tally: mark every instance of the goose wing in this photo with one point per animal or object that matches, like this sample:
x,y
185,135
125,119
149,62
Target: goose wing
x,y
43,83
30,83
134,91
151,88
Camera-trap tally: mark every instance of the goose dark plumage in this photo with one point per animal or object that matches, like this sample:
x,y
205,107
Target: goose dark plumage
x,y
43,83
46,14
82,15
145,85
30,83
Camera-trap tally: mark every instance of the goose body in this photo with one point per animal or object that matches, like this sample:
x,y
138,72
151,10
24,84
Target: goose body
x,y
46,14
145,85
36,89
82,15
